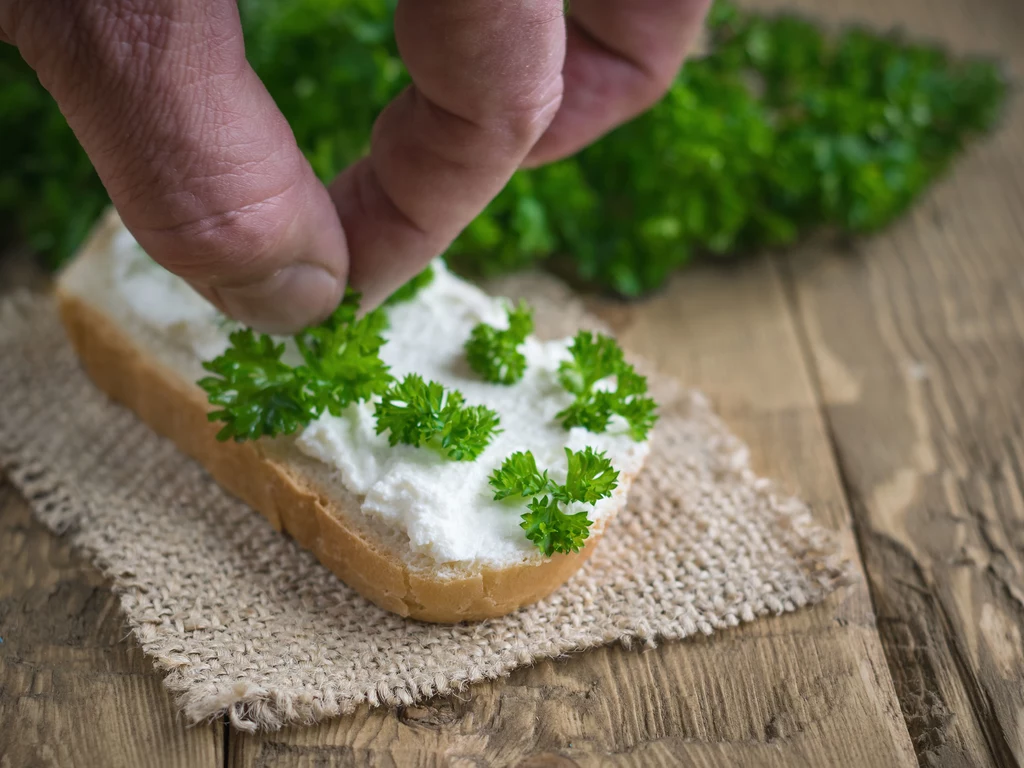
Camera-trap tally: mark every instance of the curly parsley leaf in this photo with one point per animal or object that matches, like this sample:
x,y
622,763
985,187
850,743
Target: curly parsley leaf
x,y
519,476
495,354
258,394
553,530
342,356
634,404
469,431
595,359
409,290
590,477
424,413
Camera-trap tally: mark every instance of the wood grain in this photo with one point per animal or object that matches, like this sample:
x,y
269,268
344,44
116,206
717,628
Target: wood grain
x,y
73,692
806,689
917,340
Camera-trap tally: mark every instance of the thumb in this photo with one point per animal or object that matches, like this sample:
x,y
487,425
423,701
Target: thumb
x,y
196,157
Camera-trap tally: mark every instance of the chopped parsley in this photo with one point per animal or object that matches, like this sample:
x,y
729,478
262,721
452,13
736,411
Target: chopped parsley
x,y
495,354
597,358
547,523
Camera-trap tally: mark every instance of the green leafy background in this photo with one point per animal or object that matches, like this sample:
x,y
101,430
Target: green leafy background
x,y
779,130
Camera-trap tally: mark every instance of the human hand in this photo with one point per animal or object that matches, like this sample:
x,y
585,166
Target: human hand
x,y
206,174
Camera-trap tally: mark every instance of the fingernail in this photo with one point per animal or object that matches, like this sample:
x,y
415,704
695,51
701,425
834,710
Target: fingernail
x,y
285,302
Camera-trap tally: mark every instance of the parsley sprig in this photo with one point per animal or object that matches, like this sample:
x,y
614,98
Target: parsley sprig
x,y
494,354
259,394
424,413
595,358
342,357
589,479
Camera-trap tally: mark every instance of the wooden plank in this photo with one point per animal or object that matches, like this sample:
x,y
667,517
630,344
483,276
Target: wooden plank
x,y
918,342
73,691
807,689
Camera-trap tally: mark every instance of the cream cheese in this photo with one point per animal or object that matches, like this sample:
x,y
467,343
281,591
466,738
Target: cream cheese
x,y
445,507
165,302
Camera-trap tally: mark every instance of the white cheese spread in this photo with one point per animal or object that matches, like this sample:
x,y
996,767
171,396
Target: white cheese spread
x,y
445,507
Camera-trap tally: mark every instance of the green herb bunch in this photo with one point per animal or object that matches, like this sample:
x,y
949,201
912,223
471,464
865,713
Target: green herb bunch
x,y
778,131
495,354
596,359
589,479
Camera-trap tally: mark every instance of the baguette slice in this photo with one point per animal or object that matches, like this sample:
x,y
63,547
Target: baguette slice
x,y
135,366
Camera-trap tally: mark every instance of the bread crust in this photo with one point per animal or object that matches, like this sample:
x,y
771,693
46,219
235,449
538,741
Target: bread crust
x,y
177,409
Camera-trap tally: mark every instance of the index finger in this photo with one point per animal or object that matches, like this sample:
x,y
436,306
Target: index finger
x,y
487,81
622,57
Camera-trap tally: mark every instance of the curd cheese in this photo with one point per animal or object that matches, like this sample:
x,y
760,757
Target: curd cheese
x,y
445,507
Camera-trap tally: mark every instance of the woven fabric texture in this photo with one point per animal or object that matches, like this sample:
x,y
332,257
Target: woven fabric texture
x,y
242,621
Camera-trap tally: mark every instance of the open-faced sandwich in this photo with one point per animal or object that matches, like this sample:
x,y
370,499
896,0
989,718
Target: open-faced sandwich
x,y
433,453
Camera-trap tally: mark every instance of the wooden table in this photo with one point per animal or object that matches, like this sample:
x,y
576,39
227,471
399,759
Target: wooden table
x,y
883,383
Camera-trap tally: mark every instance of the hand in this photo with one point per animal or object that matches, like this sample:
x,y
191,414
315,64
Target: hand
x,y
206,174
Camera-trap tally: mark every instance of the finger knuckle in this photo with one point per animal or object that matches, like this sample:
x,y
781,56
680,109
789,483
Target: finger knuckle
x,y
527,115
660,78
224,247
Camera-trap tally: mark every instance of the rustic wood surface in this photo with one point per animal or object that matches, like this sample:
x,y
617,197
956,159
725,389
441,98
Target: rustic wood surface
x,y
883,385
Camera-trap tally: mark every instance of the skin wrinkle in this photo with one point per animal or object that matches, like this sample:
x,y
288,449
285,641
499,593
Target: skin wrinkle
x,y
244,252
136,115
482,69
368,201
204,130
473,149
167,165
644,69
370,194
198,171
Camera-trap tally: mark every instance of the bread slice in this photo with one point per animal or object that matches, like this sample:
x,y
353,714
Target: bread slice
x,y
144,371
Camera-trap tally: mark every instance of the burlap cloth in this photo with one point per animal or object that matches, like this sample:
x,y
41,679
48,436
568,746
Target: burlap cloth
x,y
244,622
